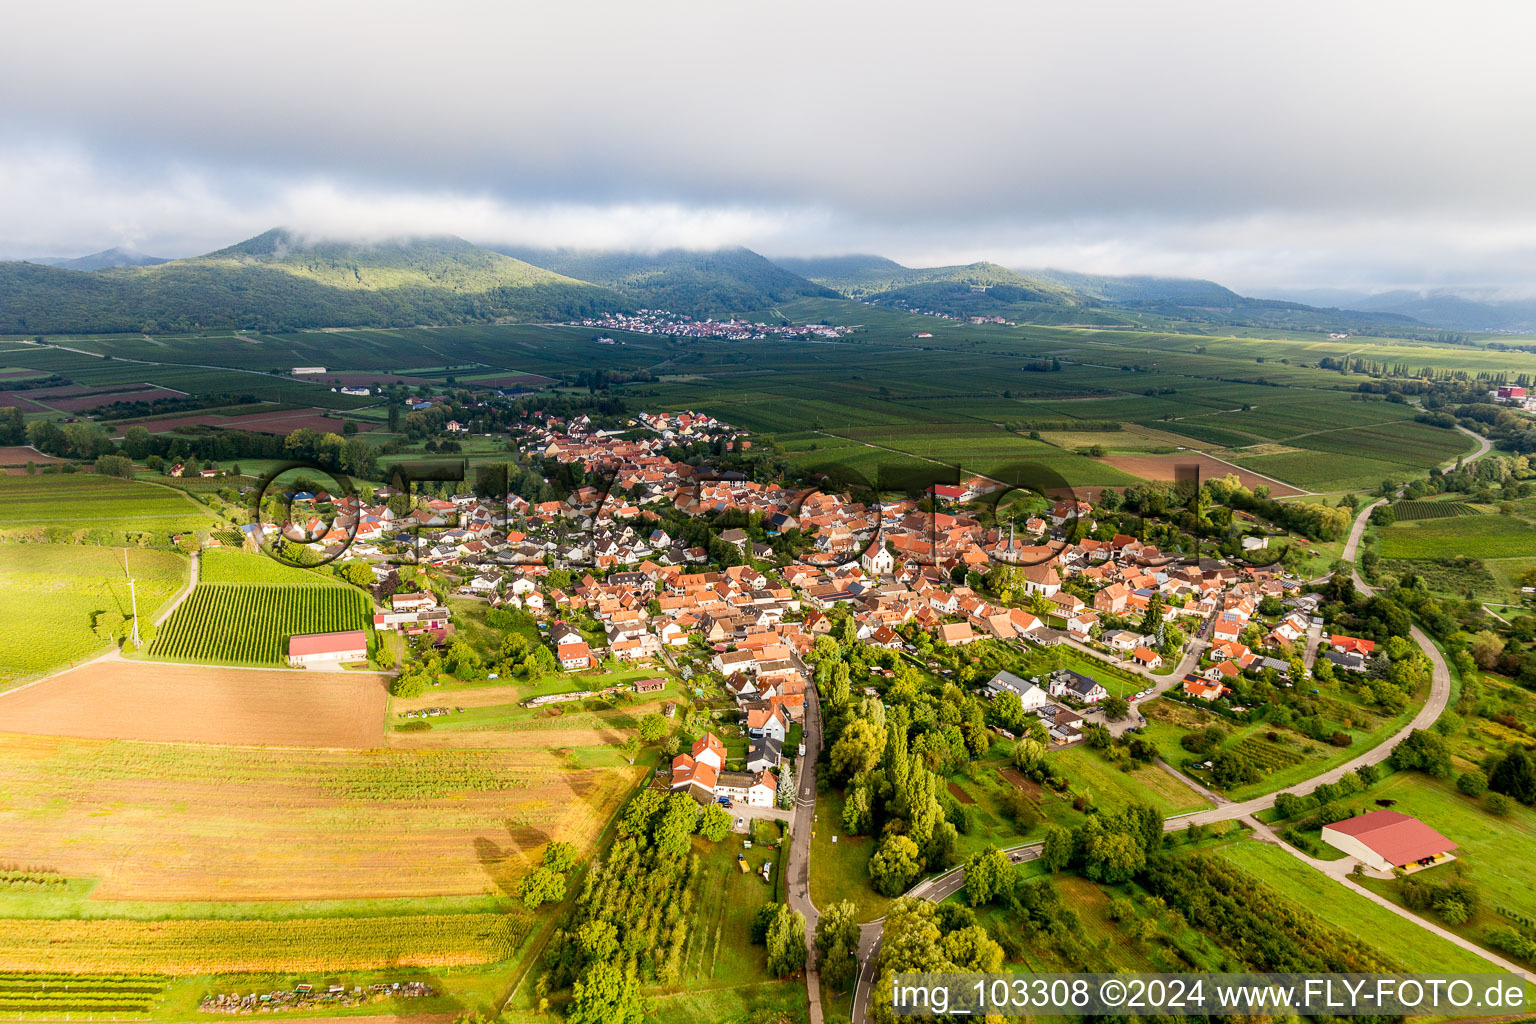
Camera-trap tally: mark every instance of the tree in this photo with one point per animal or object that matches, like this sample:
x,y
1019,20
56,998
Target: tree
x,y
542,885
560,856
357,573
409,684
1423,751
1486,647
988,877
1116,708
858,749
652,728
1496,803
1515,776
1027,754
606,994
715,823
1473,783
1056,852
678,816
786,942
837,945
895,864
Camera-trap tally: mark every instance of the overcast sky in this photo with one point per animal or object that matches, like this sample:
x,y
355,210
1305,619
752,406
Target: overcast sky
x,y
1332,144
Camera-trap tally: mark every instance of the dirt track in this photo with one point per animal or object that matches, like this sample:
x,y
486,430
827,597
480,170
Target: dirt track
x,y
1160,467
183,703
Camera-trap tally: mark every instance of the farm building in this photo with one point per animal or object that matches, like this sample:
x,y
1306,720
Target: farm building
x,y
322,648
1386,839
650,685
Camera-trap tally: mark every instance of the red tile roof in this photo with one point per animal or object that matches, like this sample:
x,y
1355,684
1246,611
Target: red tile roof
x,y
1396,838
328,643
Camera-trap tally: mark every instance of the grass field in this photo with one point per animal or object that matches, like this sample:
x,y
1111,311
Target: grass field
x,y
64,603
1112,788
176,822
1417,949
840,870
250,624
83,505
1493,850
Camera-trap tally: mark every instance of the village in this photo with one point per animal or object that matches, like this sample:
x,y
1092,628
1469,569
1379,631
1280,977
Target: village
x,y
680,325
608,583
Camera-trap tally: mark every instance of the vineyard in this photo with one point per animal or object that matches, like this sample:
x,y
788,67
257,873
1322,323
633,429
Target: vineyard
x,y
1264,755
183,947
1413,510
50,995
250,624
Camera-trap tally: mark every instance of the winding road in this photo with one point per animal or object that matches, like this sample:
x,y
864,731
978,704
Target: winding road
x,y
944,885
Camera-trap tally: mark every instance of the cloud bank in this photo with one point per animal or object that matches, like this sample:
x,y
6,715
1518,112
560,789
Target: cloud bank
x,y
1371,144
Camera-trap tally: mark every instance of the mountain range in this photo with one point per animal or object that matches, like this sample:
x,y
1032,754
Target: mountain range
x,y
280,280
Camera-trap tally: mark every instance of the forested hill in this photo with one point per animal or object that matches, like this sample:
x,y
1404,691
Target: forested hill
x,y
280,281
699,283
1139,287
976,289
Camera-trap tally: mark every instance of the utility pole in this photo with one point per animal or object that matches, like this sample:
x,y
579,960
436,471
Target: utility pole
x,y
133,636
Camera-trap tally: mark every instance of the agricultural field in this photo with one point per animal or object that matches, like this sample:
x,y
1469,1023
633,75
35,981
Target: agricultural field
x,y
187,822
227,565
1472,536
1409,511
65,603
94,508
195,704
35,993
249,624
183,947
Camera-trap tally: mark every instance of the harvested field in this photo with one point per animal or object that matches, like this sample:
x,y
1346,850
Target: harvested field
x,y
20,455
135,393
170,822
182,703
521,738
1161,467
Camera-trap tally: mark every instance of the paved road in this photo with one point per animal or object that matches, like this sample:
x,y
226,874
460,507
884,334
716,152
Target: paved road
x,y
942,886
798,884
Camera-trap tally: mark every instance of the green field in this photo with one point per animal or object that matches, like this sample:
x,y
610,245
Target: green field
x,y
1417,949
89,507
65,603
249,624
228,565
1472,536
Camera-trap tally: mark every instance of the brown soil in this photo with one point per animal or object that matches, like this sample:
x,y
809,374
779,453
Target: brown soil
x,y
1161,467
1029,787
184,703
960,794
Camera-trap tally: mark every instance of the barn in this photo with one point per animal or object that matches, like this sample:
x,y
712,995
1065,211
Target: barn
x,y
1386,839
324,648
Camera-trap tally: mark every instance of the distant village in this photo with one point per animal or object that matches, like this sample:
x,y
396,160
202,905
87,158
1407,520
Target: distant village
x,y
680,325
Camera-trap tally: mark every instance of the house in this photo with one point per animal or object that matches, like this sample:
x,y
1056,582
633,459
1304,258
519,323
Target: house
x,y
1031,696
1194,686
768,721
574,655
650,685
1124,640
765,753
1386,839
708,749
327,648
1353,661
1352,645
411,602
956,634
755,789
1063,724
1067,683
1147,657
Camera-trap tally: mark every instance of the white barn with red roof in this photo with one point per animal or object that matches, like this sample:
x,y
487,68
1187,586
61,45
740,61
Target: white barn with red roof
x,y
1386,839
327,648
